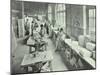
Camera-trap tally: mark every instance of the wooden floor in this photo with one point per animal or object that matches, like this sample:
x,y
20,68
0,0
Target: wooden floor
x,y
22,49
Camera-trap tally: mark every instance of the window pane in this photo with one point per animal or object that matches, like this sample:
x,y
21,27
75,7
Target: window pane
x,y
91,20
50,17
49,8
92,24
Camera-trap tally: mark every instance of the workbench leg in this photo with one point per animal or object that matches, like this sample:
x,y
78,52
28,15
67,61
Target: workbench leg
x,y
26,69
30,49
50,65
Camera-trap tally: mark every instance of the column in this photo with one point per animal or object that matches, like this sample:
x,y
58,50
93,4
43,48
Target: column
x,y
53,14
84,20
23,19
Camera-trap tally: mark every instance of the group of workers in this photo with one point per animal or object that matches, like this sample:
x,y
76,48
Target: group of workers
x,y
35,26
41,29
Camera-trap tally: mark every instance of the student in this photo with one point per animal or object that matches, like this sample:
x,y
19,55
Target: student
x,y
32,27
46,27
51,31
27,27
60,38
42,30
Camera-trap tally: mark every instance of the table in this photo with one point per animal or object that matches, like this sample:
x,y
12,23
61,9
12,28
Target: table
x,y
30,43
29,60
77,49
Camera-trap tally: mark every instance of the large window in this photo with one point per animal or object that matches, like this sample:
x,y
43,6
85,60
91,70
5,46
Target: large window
x,y
91,20
60,15
50,12
92,24
57,12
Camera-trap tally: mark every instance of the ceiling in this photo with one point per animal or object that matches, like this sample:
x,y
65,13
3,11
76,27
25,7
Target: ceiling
x,y
29,7
35,7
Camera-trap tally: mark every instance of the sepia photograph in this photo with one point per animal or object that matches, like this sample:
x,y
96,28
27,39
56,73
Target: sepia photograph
x,y
52,37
